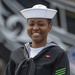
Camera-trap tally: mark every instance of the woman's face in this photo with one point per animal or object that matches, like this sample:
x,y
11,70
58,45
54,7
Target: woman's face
x,y
38,29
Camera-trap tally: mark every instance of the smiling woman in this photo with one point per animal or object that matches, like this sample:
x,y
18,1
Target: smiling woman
x,y
38,29
38,57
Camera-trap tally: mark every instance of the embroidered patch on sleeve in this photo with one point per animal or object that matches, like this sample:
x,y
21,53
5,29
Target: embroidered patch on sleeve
x,y
60,71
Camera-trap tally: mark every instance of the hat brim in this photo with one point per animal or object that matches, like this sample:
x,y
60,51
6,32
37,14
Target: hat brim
x,y
38,13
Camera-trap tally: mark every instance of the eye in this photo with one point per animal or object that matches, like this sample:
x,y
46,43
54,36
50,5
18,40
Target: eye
x,y
41,24
31,24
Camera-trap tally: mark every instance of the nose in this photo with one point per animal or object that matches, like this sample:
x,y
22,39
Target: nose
x,y
35,27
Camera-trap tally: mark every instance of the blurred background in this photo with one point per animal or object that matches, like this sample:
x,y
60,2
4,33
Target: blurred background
x,y
13,27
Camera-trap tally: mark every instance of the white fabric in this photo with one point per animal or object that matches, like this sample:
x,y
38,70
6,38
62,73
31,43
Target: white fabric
x,y
34,51
39,11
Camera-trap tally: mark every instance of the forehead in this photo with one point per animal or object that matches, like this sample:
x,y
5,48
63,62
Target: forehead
x,y
37,20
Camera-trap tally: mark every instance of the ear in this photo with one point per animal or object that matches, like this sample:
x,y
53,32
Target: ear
x,y
50,26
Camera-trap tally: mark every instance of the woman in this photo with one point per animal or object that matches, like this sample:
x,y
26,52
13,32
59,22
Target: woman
x,y
38,57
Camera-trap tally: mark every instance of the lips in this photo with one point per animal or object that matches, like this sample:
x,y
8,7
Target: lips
x,y
36,34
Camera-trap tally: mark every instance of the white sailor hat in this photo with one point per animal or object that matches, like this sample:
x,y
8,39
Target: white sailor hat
x,y
39,11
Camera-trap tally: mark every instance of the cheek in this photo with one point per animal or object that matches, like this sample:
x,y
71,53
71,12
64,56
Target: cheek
x,y
45,32
28,31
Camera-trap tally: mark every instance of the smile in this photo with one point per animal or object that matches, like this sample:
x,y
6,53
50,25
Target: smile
x,y
36,34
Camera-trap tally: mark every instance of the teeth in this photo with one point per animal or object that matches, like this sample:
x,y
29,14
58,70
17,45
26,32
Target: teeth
x,y
36,34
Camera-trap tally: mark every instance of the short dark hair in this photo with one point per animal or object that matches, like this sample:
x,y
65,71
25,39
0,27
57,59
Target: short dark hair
x,y
49,21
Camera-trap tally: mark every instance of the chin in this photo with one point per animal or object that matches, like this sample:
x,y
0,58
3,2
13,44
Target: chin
x,y
37,41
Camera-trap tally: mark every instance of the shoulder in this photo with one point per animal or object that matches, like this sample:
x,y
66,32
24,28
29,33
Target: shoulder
x,y
17,55
17,51
56,51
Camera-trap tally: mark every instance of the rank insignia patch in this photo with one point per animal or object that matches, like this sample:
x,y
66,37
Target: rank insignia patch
x,y
61,71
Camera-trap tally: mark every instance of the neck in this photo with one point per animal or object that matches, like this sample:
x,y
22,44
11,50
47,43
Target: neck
x,y
37,45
